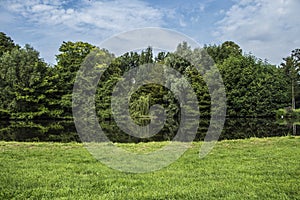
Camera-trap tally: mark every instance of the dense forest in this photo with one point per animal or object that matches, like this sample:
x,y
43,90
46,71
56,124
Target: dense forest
x,y
32,89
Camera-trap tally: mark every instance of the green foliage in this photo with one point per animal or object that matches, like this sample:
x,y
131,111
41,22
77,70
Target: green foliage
x,y
222,52
31,89
291,68
4,114
253,88
6,44
151,94
24,85
280,113
71,56
288,113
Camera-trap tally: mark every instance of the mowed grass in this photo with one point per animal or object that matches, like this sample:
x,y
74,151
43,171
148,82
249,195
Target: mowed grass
x,y
267,168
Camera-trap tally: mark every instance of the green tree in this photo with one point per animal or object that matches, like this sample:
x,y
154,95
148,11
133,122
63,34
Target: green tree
x,y
23,83
222,52
253,88
291,68
6,44
71,56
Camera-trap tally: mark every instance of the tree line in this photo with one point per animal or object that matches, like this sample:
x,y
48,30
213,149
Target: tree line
x,y
32,89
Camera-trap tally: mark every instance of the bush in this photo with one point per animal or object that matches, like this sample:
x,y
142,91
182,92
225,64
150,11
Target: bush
x,y
281,113
288,113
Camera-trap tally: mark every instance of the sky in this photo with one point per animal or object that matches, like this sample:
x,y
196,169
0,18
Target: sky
x,y
268,29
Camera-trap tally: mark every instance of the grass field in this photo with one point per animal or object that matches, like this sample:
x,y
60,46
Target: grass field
x,y
267,168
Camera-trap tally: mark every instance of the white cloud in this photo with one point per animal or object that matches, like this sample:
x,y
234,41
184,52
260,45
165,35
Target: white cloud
x,y
114,15
182,23
138,39
50,22
202,7
269,29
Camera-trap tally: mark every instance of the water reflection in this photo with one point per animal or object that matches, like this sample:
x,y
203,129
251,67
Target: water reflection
x,y
64,131
56,131
240,128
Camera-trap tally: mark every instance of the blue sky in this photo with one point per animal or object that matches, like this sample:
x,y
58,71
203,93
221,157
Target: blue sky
x,y
269,29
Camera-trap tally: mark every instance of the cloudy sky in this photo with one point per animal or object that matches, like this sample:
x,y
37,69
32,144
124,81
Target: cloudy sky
x,y
269,29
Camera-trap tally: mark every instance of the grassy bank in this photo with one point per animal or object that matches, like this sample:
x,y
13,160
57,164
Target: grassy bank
x,y
240,169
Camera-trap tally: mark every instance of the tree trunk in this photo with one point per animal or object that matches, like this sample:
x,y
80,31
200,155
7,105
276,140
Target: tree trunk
x,y
293,96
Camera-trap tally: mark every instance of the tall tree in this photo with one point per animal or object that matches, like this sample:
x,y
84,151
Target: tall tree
x,y
291,68
71,56
23,87
253,88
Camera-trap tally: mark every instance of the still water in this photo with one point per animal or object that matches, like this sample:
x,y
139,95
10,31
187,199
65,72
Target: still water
x,y
65,131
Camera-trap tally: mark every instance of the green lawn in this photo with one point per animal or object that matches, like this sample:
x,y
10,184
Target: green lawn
x,y
253,168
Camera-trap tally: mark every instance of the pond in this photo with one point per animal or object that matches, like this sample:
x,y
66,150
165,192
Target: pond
x,y
65,131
